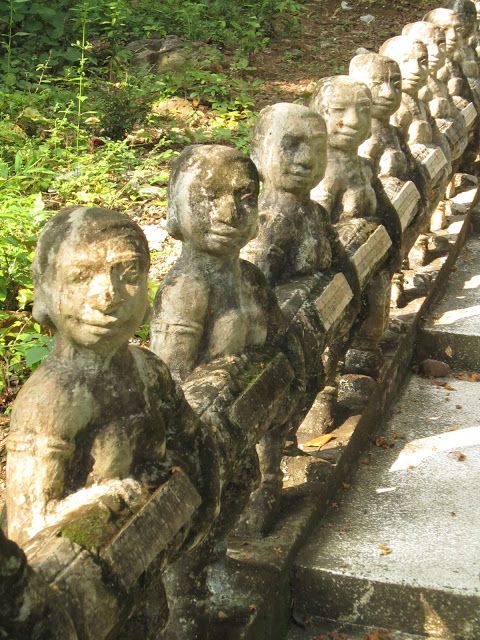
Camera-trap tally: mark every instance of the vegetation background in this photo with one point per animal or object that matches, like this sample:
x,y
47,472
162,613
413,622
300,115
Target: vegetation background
x,y
92,114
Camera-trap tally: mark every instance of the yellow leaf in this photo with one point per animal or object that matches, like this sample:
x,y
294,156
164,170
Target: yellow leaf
x,y
319,441
384,550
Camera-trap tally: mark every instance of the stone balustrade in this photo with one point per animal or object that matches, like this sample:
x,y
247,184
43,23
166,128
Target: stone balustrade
x,y
128,470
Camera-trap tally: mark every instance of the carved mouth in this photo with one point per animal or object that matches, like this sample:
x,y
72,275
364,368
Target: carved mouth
x,y
384,103
300,174
224,233
350,135
102,325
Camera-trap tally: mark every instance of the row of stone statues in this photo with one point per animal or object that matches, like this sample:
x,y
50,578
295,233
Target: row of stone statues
x,y
127,469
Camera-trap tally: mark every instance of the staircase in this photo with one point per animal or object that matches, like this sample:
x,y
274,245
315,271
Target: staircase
x,y
397,556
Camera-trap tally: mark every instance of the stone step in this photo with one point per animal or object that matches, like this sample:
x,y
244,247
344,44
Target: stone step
x,y
452,331
401,549
318,629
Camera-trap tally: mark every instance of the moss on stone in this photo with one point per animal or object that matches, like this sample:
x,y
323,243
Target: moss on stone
x,y
92,530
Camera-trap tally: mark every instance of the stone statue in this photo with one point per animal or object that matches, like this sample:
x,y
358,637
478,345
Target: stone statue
x,y
475,41
452,73
465,54
289,145
347,194
212,303
441,104
100,421
426,142
388,152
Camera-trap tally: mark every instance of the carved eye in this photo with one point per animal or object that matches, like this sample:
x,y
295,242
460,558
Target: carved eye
x,y
78,277
130,274
245,195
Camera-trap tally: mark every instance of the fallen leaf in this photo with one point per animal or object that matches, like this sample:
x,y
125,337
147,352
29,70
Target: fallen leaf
x,y
470,376
459,456
382,442
384,550
449,351
319,441
345,485
378,634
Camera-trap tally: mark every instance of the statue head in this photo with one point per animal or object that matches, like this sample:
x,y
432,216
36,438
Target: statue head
x,y
412,58
346,105
213,194
382,76
289,147
90,276
467,12
452,25
433,37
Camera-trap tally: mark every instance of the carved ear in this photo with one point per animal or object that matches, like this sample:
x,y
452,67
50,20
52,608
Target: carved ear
x,y
173,226
40,310
148,314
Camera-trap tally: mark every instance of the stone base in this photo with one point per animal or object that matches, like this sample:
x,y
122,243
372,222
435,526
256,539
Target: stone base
x,y
257,577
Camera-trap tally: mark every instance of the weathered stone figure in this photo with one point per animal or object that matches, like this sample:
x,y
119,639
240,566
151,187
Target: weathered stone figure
x,y
429,147
100,420
289,145
452,73
347,194
212,303
345,191
465,55
388,152
441,104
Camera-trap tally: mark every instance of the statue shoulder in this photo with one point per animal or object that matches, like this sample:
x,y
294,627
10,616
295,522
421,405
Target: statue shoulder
x,y
55,401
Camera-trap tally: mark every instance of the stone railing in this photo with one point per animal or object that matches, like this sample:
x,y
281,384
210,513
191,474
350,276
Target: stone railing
x,y
123,483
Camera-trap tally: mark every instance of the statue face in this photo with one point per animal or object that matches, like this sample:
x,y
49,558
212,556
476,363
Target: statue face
x,y
454,34
217,206
385,83
413,61
348,117
97,297
297,160
437,51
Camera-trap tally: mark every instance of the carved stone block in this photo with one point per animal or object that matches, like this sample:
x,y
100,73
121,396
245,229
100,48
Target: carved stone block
x,y
470,114
432,160
371,253
150,530
333,301
254,407
404,198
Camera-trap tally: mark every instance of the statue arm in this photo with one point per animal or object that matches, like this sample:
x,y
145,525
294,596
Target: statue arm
x,y
178,324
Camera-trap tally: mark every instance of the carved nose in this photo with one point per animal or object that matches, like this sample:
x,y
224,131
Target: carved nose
x,y
350,118
386,91
226,210
104,295
303,156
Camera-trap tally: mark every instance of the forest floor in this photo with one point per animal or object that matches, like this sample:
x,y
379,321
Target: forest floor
x,y
328,37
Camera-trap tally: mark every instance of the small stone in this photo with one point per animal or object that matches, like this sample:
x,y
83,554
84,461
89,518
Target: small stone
x,y
430,368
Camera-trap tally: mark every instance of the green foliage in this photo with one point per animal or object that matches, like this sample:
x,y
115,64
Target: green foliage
x,y
23,346
21,220
78,123
39,37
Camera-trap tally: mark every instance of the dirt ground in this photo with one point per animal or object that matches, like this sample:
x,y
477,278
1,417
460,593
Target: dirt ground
x,y
328,38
